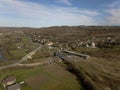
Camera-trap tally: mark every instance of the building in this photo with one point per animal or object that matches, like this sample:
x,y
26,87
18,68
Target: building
x,y
87,45
50,43
1,34
9,80
14,87
93,45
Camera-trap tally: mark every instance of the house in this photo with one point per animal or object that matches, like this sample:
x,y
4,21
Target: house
x,y
14,87
87,45
1,34
80,44
93,45
50,43
9,80
20,45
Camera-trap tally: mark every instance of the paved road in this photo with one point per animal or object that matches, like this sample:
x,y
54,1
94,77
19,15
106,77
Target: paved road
x,y
25,58
34,64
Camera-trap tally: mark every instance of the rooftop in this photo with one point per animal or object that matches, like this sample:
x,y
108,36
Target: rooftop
x,y
8,78
14,87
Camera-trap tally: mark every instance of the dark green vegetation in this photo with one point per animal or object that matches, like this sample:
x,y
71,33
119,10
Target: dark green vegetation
x,y
99,72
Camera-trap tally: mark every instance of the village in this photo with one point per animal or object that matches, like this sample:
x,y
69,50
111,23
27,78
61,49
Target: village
x,y
94,42
29,52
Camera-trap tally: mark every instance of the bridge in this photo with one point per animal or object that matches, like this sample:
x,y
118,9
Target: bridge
x,y
61,56
76,54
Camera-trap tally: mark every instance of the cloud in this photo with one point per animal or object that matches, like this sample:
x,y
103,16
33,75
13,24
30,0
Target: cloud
x,y
114,13
115,4
67,2
114,17
28,13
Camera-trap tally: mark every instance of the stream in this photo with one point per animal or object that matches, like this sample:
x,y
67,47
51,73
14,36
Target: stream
x,y
2,58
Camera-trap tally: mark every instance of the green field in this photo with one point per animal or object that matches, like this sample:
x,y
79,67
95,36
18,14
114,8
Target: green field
x,y
17,46
50,77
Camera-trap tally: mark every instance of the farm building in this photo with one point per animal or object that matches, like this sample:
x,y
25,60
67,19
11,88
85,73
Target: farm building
x,y
14,87
9,80
93,45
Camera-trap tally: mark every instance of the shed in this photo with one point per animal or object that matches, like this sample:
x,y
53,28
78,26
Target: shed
x,y
9,80
14,87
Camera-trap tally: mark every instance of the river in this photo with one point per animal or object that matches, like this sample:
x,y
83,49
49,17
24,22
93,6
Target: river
x,y
2,58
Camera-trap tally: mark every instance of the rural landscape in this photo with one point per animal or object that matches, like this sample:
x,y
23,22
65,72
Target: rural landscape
x,y
59,44
60,58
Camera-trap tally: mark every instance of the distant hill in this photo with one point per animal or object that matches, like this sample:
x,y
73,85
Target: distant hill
x,y
66,32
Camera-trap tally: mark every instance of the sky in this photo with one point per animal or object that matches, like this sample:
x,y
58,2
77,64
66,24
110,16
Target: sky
x,y
45,13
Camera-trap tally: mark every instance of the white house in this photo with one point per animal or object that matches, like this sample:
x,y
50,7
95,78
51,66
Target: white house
x,y
93,45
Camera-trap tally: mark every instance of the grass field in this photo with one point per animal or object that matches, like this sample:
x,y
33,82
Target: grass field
x,y
111,54
18,53
50,77
104,75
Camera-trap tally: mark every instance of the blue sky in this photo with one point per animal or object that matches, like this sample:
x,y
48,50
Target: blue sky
x,y
44,13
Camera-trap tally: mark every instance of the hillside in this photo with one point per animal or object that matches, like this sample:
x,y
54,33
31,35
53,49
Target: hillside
x,y
57,70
